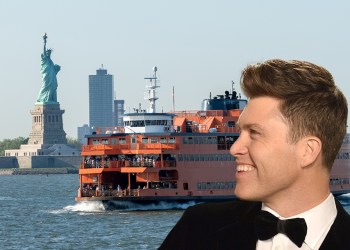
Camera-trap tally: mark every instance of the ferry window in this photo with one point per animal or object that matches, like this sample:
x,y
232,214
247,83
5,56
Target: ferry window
x,y
229,141
221,143
219,157
222,185
200,140
104,141
184,140
196,157
133,140
230,185
113,141
210,157
185,185
204,185
154,140
201,157
226,185
216,157
213,186
218,185
148,122
171,140
122,141
190,140
224,157
199,185
191,157
209,140
145,140
95,141
195,140
180,157
213,140
231,124
162,140
206,157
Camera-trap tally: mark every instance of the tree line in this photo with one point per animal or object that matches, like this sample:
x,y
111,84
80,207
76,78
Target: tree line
x,y
17,142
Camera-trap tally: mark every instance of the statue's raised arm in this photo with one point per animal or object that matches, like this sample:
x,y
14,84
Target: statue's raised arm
x,y
44,38
49,70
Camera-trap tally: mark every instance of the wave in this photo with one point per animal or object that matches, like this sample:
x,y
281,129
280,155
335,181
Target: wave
x,y
6,198
86,207
345,196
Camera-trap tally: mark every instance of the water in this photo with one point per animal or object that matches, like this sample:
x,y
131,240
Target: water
x,y
39,212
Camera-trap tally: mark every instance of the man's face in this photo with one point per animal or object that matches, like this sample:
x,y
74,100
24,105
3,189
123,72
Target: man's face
x,y
267,163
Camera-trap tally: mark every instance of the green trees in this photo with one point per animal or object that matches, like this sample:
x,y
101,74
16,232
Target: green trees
x,y
16,143
73,142
12,144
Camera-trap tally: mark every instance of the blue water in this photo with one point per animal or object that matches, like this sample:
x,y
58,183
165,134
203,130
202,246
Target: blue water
x,y
39,212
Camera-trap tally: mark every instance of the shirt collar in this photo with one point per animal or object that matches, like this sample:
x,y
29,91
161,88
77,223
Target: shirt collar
x,y
318,219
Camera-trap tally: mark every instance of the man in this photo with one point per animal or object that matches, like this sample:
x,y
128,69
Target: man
x,y
290,133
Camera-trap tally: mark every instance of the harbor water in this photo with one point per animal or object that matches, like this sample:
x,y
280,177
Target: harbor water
x,y
39,212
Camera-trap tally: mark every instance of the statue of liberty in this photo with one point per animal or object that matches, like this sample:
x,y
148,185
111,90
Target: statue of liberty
x,y
49,70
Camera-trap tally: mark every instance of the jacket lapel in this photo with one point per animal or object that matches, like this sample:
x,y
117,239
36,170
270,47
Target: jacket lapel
x,y
240,233
338,235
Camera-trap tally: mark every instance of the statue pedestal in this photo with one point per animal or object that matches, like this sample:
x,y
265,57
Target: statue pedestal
x,y
47,124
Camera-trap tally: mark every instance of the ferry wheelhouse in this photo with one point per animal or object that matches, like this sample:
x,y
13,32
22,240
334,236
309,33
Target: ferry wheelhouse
x,y
173,157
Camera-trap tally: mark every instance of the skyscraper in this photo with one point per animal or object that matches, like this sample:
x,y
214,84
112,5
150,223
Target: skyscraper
x,y
101,89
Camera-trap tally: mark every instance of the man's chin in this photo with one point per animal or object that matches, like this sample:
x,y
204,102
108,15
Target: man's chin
x,y
247,196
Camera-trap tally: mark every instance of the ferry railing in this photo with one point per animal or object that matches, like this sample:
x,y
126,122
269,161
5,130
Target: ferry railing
x,y
128,163
102,148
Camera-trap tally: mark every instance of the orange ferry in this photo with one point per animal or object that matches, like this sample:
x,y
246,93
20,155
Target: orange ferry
x,y
173,157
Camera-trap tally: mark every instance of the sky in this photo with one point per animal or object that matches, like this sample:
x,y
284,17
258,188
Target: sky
x,y
198,46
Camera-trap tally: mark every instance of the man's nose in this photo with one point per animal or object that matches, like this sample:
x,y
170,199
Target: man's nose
x,y
239,147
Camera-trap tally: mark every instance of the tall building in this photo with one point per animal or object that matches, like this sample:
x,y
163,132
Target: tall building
x,y
101,89
118,112
82,131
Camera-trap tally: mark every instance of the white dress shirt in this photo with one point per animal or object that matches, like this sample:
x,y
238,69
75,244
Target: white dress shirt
x,y
318,219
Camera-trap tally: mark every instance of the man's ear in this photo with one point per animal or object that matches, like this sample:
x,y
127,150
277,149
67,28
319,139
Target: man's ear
x,y
311,150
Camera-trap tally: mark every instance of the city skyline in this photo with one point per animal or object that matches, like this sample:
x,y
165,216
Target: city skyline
x,y
199,47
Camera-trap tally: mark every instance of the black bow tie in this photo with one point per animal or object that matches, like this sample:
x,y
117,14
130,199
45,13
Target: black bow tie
x,y
268,225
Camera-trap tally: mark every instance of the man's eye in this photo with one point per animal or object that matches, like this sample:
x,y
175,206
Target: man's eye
x,y
253,132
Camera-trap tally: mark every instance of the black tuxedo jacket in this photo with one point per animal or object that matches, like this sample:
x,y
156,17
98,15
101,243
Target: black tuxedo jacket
x,y
230,225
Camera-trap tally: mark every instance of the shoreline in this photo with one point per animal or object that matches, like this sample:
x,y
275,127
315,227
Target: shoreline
x,y
37,171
